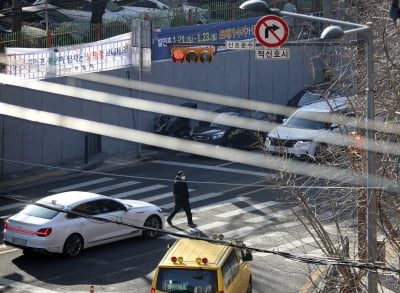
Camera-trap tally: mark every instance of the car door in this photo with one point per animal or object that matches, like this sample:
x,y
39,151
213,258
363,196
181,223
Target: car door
x,y
85,219
118,217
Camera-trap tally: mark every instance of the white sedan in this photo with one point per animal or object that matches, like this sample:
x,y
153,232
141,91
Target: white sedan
x,y
71,221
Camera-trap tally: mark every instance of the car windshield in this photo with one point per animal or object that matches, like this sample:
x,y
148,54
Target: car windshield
x,y
308,98
56,16
217,123
299,122
169,3
112,7
41,212
186,280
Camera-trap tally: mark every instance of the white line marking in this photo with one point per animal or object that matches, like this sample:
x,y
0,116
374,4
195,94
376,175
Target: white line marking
x,y
79,185
114,186
247,209
12,206
137,191
239,232
24,287
215,168
220,204
192,199
275,215
161,196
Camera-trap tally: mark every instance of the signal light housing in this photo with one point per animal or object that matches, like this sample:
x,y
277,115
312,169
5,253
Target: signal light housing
x,y
204,55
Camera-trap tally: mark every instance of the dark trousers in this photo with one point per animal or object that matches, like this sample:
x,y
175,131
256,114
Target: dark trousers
x,y
182,204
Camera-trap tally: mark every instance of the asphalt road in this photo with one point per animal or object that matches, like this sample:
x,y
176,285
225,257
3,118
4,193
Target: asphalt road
x,y
235,200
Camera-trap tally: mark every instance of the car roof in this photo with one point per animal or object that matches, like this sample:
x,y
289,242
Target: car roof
x,y
70,198
327,105
190,249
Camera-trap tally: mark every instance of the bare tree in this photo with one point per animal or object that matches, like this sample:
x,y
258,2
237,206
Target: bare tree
x,y
345,206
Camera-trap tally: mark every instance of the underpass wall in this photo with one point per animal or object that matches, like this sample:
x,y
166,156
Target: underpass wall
x,y
236,74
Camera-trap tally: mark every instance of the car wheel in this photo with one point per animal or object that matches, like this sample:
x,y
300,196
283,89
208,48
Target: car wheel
x,y
152,222
73,245
249,287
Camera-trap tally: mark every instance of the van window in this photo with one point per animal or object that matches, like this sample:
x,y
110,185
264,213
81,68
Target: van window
x,y
186,280
230,268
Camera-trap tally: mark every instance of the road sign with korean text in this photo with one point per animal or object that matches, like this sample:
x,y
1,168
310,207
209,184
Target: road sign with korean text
x,y
271,31
273,54
240,45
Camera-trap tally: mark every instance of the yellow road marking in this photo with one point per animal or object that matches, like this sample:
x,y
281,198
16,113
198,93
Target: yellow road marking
x,y
311,282
30,178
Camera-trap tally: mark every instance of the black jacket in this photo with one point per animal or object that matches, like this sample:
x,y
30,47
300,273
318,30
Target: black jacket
x,y
180,189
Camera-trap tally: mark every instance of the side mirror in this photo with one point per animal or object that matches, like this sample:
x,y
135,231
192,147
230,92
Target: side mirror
x,y
247,255
334,125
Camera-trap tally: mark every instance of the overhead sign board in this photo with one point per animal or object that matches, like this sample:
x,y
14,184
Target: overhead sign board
x,y
240,45
271,31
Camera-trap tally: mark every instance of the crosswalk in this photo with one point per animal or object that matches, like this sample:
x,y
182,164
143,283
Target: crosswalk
x,y
215,213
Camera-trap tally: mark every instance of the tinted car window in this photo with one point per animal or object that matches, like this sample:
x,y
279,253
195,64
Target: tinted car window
x,y
87,208
40,212
186,280
108,206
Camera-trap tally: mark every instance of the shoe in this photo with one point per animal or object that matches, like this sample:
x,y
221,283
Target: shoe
x,y
192,225
169,222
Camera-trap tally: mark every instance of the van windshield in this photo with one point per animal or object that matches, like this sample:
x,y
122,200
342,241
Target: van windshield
x,y
185,280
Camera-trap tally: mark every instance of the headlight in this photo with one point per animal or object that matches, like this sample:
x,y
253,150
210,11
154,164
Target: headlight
x,y
301,143
218,135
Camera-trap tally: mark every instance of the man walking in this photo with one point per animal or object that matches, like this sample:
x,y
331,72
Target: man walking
x,y
181,194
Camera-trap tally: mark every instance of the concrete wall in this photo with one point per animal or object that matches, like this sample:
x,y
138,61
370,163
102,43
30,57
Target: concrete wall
x,y
236,74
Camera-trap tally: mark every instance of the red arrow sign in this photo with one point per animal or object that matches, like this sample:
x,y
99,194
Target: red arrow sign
x,y
271,31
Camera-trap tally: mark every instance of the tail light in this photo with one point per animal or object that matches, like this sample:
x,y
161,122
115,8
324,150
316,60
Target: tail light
x,y
153,290
44,232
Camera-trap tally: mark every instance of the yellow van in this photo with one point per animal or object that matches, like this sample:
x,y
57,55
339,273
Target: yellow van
x,y
200,266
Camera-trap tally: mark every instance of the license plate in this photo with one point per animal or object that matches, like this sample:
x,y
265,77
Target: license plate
x,y
19,241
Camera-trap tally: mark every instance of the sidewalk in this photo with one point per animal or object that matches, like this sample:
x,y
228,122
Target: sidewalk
x,y
40,174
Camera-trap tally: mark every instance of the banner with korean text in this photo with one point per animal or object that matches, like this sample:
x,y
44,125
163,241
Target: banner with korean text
x,y
108,54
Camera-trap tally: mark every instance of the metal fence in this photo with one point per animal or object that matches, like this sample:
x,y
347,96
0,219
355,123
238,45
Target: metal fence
x,y
78,33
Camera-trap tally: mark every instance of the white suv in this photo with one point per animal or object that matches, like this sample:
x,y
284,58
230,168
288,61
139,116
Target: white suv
x,y
300,134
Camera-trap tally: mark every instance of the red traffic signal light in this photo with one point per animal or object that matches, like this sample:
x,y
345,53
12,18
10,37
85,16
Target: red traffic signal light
x,y
204,55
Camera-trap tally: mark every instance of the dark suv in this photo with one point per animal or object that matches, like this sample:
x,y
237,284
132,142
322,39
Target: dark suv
x,y
224,135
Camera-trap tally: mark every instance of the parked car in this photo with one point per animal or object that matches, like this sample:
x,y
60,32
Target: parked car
x,y
7,4
169,8
36,16
217,133
300,136
310,95
81,10
174,126
34,19
71,221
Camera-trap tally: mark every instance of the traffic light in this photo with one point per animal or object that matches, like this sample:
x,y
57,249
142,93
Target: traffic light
x,y
204,55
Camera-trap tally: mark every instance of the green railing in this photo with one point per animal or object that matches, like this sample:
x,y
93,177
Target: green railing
x,y
84,32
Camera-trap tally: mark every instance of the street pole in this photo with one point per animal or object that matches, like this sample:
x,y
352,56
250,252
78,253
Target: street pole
x,y
332,32
371,162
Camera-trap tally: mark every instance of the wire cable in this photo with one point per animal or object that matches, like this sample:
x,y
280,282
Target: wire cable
x,y
327,260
